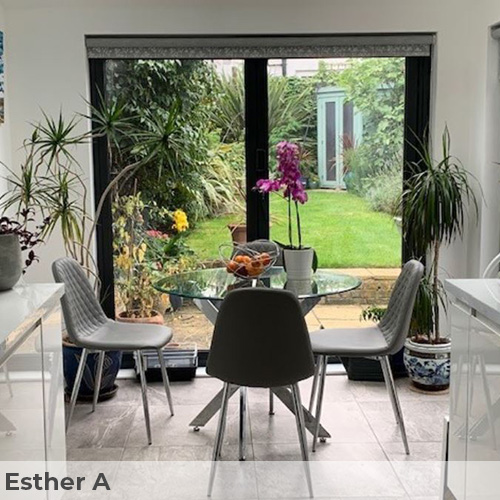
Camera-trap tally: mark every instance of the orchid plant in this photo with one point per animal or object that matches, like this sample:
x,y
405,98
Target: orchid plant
x,y
288,183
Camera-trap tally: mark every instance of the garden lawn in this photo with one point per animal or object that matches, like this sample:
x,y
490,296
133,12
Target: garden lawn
x,y
341,227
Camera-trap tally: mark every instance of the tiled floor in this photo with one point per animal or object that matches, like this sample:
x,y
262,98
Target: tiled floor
x,y
358,415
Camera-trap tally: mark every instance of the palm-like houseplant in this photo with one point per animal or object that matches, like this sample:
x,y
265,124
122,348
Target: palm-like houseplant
x,y
434,205
51,184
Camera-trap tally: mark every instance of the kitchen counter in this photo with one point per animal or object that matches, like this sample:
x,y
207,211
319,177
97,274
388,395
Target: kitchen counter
x,y
32,419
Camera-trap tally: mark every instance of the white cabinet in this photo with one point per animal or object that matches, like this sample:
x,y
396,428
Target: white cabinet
x,y
473,471
32,428
460,323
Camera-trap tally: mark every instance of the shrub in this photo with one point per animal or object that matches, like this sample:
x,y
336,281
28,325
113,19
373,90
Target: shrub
x,y
384,191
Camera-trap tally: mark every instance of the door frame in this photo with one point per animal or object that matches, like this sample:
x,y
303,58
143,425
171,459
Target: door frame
x,y
417,114
337,95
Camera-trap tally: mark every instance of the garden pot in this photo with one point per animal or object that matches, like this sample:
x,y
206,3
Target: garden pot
x,y
238,233
428,365
369,370
298,264
155,319
11,263
71,360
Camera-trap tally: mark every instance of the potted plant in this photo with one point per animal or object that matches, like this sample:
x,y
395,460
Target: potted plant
x,y
50,184
434,203
16,238
298,260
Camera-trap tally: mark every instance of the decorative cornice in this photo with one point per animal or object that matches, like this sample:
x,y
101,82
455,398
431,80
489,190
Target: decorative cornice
x,y
253,52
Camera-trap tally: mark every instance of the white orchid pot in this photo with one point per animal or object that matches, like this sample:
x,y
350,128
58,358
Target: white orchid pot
x,y
298,263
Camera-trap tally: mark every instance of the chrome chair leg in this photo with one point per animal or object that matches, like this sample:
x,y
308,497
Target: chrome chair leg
x,y
218,437
98,378
243,422
323,360
301,430
144,389
393,395
271,402
315,384
166,382
76,386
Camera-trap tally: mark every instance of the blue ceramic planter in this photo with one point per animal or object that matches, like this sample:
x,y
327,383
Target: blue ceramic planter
x,y
112,362
428,365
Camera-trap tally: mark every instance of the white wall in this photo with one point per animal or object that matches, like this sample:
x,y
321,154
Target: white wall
x,y
48,68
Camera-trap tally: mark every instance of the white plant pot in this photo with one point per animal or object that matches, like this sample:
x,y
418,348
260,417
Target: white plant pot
x,y
298,263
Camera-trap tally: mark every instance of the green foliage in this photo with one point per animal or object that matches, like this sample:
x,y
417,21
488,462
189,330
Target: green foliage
x,y
434,205
376,88
384,191
170,102
373,313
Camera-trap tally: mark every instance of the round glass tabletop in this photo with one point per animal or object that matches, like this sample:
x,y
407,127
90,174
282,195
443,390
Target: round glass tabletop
x,y
216,283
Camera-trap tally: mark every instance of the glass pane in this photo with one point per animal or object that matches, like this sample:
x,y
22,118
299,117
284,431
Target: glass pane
x,y
331,141
348,112
188,198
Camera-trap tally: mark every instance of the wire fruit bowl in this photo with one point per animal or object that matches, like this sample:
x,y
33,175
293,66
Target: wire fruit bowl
x,y
249,261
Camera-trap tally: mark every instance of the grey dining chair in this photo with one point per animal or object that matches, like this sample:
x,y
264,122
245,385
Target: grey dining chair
x,y
260,340
377,342
89,328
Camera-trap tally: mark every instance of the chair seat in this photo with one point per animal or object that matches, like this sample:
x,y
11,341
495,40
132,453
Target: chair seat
x,y
351,342
128,337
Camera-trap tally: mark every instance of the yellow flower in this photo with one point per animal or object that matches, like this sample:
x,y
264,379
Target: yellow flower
x,y
180,221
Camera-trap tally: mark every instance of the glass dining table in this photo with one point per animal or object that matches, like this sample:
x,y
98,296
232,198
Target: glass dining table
x,y
208,287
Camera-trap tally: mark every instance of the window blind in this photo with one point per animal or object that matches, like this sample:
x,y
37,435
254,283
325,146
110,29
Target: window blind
x,y
258,46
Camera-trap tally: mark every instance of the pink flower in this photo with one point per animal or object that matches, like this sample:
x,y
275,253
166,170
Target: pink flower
x,y
157,234
268,185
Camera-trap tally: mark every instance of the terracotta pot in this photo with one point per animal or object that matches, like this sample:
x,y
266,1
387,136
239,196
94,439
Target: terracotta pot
x,y
155,319
238,233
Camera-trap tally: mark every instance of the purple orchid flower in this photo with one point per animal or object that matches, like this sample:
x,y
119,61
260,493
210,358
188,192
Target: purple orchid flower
x,y
288,168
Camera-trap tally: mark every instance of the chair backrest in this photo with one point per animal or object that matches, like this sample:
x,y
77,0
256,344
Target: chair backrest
x,y
260,340
396,320
82,312
492,270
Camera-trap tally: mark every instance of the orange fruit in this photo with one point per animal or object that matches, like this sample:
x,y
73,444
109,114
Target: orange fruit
x,y
232,266
265,258
242,259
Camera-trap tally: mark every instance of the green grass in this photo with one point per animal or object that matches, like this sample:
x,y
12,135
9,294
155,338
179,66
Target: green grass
x,y
341,227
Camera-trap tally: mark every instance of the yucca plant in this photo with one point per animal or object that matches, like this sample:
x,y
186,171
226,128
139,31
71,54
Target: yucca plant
x,y
51,182
434,204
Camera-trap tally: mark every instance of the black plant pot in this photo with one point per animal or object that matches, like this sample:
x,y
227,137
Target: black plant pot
x,y
112,363
369,370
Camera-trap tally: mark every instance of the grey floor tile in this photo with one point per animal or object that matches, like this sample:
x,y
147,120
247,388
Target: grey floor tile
x,y
94,454
175,431
144,454
423,420
107,427
346,423
365,479
419,452
419,478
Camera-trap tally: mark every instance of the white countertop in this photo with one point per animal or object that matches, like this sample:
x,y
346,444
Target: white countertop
x,y
22,307
480,295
